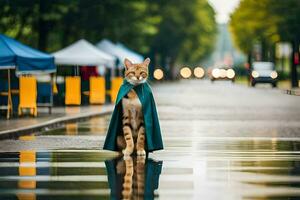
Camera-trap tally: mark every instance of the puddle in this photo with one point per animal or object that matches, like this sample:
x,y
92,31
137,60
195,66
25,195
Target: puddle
x,y
94,126
75,175
55,165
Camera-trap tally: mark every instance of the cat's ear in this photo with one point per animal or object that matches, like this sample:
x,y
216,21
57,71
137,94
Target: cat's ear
x,y
146,61
127,63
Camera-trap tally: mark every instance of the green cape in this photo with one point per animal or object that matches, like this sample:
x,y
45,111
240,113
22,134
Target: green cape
x,y
153,134
151,172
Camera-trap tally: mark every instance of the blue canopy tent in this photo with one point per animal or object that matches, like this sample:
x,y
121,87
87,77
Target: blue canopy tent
x,y
14,55
23,58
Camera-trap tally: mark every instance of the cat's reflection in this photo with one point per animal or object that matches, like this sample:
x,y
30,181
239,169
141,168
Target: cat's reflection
x,y
133,177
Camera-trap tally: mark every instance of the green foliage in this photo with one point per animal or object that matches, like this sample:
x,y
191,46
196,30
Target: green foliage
x,y
252,23
269,21
288,19
178,30
186,32
200,33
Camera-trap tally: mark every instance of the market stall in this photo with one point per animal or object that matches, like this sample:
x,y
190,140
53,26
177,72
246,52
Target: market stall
x,y
83,53
25,61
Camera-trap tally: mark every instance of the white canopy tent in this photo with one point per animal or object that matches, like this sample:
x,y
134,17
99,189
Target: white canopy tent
x,y
83,53
131,54
119,51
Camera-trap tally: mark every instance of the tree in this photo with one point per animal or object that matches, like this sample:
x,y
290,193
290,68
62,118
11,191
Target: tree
x,y
16,19
52,24
174,31
251,24
267,22
32,21
288,23
185,33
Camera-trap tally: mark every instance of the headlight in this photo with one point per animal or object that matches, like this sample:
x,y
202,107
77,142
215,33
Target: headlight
x,y
230,73
216,73
255,74
199,72
158,74
223,73
274,74
185,72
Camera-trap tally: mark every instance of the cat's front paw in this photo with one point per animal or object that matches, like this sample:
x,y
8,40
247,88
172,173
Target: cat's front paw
x,y
141,152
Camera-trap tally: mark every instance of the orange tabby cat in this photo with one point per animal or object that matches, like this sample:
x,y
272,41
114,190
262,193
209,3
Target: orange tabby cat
x,y
133,120
133,170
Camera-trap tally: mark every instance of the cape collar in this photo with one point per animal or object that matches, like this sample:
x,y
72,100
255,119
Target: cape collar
x,y
126,83
139,89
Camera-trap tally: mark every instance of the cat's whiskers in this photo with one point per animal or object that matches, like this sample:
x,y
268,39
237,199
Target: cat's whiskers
x,y
135,81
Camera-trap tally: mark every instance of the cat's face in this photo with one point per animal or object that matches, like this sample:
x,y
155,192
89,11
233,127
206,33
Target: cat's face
x,y
136,73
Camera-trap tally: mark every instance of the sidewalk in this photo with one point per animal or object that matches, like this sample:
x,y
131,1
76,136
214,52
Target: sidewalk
x,y
23,125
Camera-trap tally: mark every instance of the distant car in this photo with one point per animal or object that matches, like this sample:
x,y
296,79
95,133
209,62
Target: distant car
x,y
263,72
222,73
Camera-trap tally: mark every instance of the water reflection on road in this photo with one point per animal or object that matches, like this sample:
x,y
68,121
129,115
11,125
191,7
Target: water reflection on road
x,y
202,167
30,175
133,177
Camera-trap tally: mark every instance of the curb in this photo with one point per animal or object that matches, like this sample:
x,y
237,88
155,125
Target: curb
x,y
14,133
292,92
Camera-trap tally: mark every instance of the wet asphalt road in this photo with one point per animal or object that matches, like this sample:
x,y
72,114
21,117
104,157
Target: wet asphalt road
x,y
222,141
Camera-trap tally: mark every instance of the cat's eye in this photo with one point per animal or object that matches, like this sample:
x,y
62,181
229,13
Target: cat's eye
x,y
131,74
143,74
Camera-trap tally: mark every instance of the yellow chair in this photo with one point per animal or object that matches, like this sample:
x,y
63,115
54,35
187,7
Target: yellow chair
x,y
97,90
115,86
27,158
73,90
28,94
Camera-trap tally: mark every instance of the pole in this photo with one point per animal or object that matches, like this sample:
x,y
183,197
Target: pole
x,y
51,93
295,60
9,100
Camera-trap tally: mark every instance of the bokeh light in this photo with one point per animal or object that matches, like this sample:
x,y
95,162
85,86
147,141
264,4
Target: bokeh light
x,y
255,74
199,72
216,73
185,72
230,73
274,75
223,73
158,74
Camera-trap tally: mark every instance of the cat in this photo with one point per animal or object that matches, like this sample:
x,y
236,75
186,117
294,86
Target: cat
x,y
133,138
133,171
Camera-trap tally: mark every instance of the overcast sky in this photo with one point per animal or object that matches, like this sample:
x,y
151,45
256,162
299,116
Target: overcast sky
x,y
223,9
